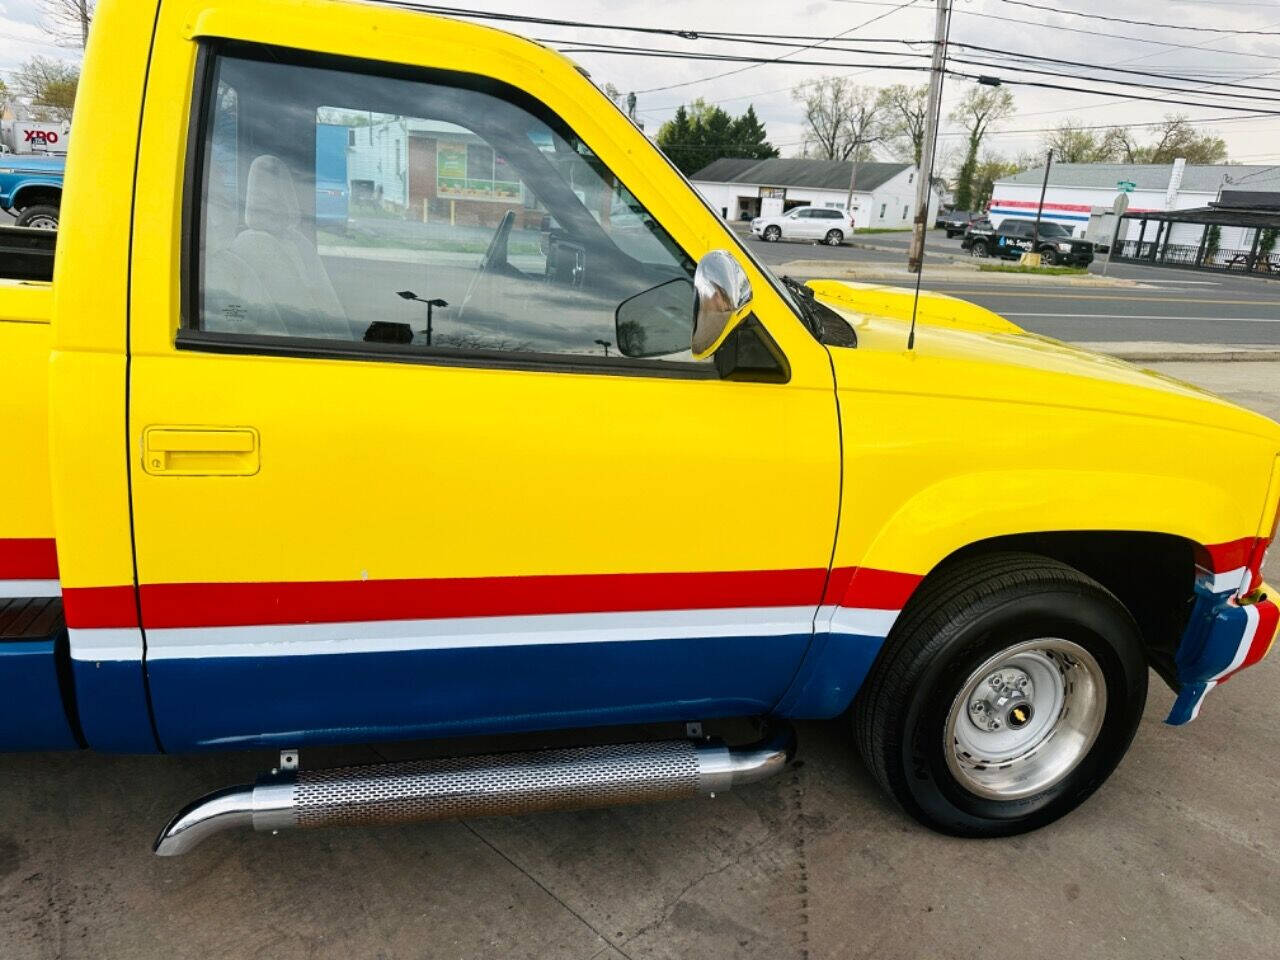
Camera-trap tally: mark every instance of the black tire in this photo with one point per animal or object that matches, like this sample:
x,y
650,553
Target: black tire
x,y
772,234
1049,257
833,238
980,249
961,617
40,216
950,234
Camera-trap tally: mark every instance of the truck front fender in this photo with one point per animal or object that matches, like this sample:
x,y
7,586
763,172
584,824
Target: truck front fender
x,y
961,510
863,600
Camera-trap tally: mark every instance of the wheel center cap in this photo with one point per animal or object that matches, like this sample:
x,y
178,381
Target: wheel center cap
x,y
1020,715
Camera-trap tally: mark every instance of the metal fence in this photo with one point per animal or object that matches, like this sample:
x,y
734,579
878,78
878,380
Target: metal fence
x,y
1194,255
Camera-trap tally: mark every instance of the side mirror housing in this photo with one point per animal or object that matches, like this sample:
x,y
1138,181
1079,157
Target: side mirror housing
x,y
722,298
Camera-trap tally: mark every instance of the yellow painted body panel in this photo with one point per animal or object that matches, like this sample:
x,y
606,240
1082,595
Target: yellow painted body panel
x,y
976,434
91,282
25,339
983,430
385,470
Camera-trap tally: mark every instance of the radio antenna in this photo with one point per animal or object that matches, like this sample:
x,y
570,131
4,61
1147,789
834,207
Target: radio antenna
x,y
924,190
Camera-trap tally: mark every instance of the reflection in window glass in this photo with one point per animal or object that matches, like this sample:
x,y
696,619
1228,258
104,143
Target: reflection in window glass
x,y
354,207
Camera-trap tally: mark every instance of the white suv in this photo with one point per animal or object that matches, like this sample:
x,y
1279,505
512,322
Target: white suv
x,y
827,225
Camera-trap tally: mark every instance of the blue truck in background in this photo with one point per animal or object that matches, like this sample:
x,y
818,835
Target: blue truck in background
x,y
31,188
331,174
31,185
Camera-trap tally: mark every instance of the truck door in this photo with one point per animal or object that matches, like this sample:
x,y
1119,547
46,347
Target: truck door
x,y
393,476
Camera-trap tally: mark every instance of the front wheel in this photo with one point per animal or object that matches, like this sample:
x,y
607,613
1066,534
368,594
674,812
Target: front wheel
x,y
1049,258
772,234
1007,693
979,250
833,238
39,217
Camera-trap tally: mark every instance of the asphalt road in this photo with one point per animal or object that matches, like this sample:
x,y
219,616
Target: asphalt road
x,y
1181,306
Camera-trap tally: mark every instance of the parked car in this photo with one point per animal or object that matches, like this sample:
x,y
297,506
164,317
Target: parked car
x,y
956,221
31,189
263,494
1014,237
827,225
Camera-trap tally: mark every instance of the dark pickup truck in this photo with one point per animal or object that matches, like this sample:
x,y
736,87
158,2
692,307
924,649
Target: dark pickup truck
x,y
1015,237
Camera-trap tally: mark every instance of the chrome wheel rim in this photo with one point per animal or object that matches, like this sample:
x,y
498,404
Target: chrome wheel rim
x,y
42,223
1025,719
772,234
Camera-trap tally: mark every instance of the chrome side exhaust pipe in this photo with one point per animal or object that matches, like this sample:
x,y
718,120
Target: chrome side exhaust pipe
x,y
453,788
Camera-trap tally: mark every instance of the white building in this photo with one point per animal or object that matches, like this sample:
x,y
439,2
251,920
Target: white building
x,y
1078,190
884,193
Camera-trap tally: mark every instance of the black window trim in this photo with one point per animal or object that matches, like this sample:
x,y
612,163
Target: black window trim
x,y
195,187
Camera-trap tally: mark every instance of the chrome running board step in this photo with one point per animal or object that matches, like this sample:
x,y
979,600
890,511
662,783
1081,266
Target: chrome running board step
x,y
453,788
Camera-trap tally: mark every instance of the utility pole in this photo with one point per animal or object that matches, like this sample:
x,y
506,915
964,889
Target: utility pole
x,y
848,203
924,186
1035,237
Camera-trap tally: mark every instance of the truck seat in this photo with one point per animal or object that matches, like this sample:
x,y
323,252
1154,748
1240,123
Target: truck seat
x,y
293,287
231,294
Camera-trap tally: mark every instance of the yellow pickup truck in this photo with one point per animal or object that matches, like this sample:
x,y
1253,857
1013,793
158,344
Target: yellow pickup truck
x,y
516,436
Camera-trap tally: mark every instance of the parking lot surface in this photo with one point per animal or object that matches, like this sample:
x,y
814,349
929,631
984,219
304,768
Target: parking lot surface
x,y
1178,855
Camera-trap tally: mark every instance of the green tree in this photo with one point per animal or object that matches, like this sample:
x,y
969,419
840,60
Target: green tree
x,y
50,85
750,137
702,132
980,110
987,171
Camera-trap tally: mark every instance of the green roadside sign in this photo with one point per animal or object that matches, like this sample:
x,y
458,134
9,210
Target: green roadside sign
x,y
1126,186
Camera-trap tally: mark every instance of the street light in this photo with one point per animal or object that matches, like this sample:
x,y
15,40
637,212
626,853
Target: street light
x,y
431,304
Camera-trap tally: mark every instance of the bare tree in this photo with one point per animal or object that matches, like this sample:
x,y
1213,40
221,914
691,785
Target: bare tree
x,y
1073,143
841,119
50,85
981,108
1175,137
67,21
905,109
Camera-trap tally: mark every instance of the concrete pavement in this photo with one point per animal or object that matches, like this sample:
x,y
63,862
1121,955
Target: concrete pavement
x,y
1178,855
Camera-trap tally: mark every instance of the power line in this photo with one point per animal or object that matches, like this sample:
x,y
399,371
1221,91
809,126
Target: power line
x,y
1140,23
866,23
1111,36
983,78
1099,66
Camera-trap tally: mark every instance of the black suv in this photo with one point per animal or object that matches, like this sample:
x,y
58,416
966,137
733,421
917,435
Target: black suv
x,y
955,221
1015,237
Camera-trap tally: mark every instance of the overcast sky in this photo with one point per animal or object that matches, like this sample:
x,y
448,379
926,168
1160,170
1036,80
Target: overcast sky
x,y
1240,59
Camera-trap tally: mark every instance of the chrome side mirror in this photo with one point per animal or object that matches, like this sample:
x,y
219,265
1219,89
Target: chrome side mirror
x,y
722,295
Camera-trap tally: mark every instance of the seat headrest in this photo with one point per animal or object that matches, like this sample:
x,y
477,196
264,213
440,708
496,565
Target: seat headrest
x,y
270,201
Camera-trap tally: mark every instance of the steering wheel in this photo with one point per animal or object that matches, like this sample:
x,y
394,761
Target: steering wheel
x,y
495,255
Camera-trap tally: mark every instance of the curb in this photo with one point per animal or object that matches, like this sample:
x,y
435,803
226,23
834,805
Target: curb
x,y
1157,352
834,270
1207,356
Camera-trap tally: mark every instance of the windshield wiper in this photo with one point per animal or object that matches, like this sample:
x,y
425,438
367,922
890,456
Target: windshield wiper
x,y
804,300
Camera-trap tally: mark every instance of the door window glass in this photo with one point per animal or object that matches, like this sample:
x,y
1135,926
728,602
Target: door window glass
x,y
347,206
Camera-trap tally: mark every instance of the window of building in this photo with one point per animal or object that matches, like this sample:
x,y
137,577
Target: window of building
x,y
883,207
911,177
906,212
464,221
